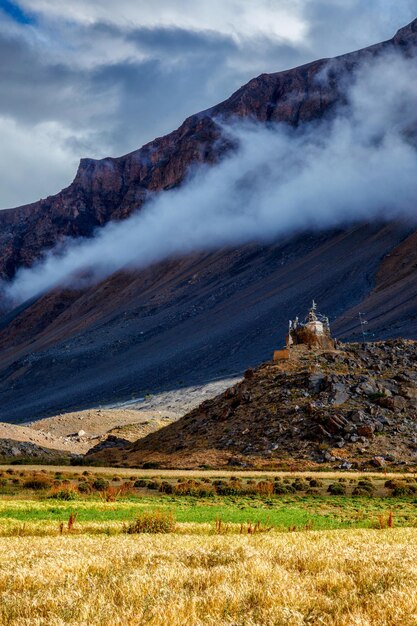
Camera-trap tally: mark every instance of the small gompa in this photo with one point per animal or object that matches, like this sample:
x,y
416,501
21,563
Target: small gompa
x,y
314,332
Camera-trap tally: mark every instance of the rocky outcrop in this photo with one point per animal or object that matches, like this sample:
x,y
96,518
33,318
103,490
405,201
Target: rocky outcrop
x,y
348,408
111,188
12,450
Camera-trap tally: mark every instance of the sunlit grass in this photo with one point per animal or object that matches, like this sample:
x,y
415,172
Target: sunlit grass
x,y
353,577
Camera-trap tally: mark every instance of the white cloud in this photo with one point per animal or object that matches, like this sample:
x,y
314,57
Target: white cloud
x,y
279,18
113,76
362,166
37,158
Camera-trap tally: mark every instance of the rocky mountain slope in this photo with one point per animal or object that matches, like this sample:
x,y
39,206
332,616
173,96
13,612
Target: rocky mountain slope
x,y
207,315
353,407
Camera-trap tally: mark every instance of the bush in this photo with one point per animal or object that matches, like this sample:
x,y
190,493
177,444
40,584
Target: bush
x,y
360,491
152,522
316,482
100,484
153,484
150,465
337,489
37,484
402,489
300,484
280,489
194,488
139,484
84,487
365,485
265,488
64,494
166,487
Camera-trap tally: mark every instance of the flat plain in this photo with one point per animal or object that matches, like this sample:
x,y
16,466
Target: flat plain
x,y
234,548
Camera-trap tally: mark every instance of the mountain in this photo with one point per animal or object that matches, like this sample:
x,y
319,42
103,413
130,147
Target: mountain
x,y
354,407
208,314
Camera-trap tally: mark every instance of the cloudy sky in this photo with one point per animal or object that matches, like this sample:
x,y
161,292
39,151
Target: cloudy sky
x,y
99,78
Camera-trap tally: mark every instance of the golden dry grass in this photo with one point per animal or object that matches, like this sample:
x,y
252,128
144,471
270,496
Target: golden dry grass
x,y
343,578
187,473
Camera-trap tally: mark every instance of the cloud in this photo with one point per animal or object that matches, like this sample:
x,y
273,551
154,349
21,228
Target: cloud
x,y
240,18
360,166
113,76
53,140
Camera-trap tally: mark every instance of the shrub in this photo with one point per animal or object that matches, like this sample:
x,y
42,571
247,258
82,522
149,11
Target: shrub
x,y
152,522
150,465
360,491
280,489
138,484
64,494
100,484
153,484
166,487
37,484
402,489
316,482
265,488
84,487
300,484
337,489
194,488
365,485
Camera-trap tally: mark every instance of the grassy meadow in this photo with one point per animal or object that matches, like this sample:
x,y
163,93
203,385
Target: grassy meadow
x,y
92,546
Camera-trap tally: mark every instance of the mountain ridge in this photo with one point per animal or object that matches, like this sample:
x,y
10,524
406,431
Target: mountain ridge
x,y
111,188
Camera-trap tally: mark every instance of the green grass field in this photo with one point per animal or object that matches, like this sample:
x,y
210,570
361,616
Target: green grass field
x,y
280,513
34,500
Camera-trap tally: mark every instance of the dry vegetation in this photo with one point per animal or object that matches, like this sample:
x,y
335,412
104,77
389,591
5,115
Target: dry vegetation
x,y
338,578
86,547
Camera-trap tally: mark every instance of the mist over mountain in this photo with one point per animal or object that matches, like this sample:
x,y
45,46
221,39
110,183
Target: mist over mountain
x,y
270,183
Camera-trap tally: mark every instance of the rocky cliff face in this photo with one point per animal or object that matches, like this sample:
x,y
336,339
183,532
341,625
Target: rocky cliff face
x,y
354,407
110,189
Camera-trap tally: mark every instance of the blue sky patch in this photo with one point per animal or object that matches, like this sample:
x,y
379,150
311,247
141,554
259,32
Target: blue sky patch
x,y
13,10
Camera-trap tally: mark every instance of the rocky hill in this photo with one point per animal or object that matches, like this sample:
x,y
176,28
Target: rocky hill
x,y
207,315
353,407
